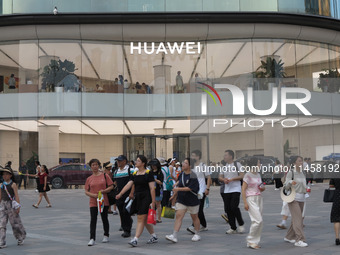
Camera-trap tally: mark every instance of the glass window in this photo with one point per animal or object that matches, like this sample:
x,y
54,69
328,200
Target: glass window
x,y
258,5
221,5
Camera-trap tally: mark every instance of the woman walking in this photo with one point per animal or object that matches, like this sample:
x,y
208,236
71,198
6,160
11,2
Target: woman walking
x,y
252,199
143,181
43,186
158,176
297,179
186,191
98,182
9,192
335,213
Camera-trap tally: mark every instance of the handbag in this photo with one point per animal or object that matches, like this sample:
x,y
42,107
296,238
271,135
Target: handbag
x,y
111,195
128,203
151,217
15,204
168,212
328,195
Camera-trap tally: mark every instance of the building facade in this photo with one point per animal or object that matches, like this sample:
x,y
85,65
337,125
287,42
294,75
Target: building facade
x,y
96,79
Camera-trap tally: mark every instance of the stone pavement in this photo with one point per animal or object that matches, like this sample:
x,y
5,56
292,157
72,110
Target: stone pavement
x,y
64,229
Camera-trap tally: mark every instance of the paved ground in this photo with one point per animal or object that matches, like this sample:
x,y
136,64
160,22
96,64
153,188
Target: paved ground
x,y
64,229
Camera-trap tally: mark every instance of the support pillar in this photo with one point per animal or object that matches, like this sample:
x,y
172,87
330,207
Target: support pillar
x,y
162,75
48,145
273,141
9,148
164,144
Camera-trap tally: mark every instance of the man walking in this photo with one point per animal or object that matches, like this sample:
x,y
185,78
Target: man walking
x,y
121,177
231,178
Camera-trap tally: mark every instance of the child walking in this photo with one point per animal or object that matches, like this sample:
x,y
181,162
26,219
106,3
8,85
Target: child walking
x,y
9,192
43,187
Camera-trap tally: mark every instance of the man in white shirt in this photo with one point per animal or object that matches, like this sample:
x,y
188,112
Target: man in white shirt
x,y
202,175
231,177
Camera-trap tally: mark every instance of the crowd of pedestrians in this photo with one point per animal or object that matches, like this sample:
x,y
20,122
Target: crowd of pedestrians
x,y
141,185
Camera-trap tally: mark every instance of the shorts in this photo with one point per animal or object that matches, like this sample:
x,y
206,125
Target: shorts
x,y
159,198
189,209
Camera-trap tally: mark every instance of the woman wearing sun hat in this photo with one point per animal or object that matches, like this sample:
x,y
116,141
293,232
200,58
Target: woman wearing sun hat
x,y
295,178
9,192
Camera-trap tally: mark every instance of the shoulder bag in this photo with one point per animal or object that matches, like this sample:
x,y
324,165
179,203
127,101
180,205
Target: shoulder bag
x,y
111,195
328,195
15,204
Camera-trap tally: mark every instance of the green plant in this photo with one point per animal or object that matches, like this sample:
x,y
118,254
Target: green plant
x,y
55,71
269,71
330,80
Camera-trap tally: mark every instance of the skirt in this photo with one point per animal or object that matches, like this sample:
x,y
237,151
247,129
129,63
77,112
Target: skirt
x,y
41,188
141,203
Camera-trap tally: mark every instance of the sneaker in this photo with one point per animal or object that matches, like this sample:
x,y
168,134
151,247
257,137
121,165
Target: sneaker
x,y
115,213
282,226
191,229
133,243
301,244
289,241
231,231
224,216
196,238
36,191
21,242
171,238
3,246
276,189
126,234
105,239
91,243
153,239
240,229
203,229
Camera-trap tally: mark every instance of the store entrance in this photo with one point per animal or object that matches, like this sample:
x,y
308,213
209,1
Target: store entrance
x,y
147,146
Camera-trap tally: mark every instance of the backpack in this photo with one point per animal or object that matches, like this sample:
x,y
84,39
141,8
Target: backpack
x,y
223,184
168,182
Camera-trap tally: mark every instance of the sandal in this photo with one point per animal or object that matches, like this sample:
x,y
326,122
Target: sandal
x,y
48,206
35,206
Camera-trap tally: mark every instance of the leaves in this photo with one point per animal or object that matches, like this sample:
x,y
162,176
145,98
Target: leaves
x,y
270,69
56,71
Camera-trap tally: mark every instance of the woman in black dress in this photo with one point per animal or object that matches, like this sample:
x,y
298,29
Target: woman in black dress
x,y
143,182
335,213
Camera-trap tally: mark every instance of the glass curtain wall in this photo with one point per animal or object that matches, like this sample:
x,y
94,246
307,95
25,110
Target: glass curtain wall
x,y
152,103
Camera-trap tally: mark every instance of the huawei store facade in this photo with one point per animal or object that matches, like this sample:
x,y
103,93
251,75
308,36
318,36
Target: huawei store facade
x,y
162,78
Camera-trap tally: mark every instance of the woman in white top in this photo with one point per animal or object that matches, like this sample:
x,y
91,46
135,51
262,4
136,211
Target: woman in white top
x,y
295,178
251,193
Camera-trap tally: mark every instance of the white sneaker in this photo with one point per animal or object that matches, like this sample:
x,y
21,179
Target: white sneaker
x,y
105,239
276,189
196,238
301,244
21,242
288,240
91,243
240,229
171,238
203,229
231,231
36,191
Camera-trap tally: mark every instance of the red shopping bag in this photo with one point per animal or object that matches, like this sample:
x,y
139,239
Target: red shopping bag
x,y
151,217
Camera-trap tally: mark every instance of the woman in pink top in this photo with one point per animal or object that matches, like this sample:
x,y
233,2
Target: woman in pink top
x,y
98,181
252,200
